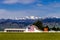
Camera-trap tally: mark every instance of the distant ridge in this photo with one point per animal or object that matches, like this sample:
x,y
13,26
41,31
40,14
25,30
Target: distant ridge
x,y
22,23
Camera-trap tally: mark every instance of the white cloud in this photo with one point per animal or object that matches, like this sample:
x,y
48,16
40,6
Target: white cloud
x,y
21,13
11,14
54,5
26,1
18,1
39,5
2,11
10,1
53,15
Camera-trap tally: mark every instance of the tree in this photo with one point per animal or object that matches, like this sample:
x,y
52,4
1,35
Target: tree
x,y
39,24
57,29
54,28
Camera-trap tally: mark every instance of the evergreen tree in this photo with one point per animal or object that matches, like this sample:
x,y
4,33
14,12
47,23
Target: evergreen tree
x,y
39,24
54,28
58,29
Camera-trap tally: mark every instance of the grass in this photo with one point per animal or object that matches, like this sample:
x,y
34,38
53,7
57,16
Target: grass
x,y
29,36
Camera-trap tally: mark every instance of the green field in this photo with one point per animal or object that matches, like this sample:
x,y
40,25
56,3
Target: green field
x,y
29,36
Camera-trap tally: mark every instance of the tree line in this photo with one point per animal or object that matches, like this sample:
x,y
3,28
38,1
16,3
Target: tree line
x,y
40,25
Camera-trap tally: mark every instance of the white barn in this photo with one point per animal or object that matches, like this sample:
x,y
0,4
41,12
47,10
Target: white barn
x,y
32,28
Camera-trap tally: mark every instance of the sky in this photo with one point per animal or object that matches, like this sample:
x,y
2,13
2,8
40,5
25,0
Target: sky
x,y
22,8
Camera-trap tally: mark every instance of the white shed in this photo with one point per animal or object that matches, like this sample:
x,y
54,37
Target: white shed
x,y
14,30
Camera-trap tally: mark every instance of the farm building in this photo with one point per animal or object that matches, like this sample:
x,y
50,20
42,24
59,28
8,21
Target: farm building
x,y
14,30
30,28
45,29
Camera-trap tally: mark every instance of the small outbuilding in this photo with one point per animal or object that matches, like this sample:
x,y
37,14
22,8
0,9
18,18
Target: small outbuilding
x,y
14,30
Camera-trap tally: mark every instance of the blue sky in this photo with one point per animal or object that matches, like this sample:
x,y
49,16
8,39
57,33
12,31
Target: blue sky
x,y
22,8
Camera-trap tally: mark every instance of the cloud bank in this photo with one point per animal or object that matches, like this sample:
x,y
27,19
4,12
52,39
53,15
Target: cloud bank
x,y
22,13
18,1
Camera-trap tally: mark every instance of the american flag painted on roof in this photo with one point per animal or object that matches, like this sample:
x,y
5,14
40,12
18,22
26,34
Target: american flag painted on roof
x,y
31,28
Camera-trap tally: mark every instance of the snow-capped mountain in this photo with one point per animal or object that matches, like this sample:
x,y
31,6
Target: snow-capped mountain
x,y
27,17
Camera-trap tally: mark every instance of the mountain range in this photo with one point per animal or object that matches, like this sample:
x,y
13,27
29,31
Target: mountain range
x,y
22,23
